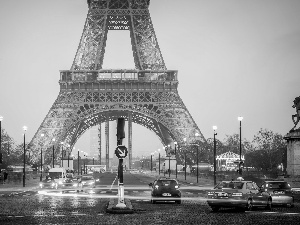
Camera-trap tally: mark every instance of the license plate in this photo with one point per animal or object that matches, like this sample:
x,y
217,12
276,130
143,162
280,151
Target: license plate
x,y
166,194
223,195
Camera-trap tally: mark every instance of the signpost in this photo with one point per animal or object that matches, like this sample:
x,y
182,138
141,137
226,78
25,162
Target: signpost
x,y
121,152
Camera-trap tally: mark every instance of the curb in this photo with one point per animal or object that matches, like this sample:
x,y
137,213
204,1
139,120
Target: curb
x,y
111,207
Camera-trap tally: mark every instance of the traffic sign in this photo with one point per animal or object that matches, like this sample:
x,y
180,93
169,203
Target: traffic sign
x,y
121,151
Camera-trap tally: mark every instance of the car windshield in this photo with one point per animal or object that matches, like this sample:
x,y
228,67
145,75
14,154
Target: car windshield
x,y
55,175
230,185
278,185
171,183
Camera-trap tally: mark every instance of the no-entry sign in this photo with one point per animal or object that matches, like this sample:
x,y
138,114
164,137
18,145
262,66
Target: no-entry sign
x,y
121,151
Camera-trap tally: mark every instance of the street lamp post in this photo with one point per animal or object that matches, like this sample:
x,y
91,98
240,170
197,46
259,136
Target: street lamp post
x,y
215,180
62,154
169,148
158,161
69,157
151,162
240,118
53,153
25,129
197,158
78,161
1,118
41,177
175,144
93,161
184,139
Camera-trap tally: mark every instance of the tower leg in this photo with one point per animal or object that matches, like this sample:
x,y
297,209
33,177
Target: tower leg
x,y
107,142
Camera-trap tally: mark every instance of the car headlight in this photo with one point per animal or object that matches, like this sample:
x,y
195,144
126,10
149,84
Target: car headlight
x,y
41,185
75,185
53,184
60,182
92,182
156,186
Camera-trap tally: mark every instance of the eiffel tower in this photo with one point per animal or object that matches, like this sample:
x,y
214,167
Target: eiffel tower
x,y
90,95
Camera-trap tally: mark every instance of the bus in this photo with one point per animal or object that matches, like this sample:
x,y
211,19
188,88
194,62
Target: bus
x,y
95,168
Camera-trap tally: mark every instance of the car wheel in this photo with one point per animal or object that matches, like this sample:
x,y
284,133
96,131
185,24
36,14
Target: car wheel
x,y
249,206
269,204
241,209
215,208
178,201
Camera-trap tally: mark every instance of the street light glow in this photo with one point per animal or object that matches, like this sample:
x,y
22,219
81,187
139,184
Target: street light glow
x,y
1,118
25,128
240,118
215,127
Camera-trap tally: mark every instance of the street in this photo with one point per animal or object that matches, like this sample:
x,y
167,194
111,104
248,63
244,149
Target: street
x,y
69,207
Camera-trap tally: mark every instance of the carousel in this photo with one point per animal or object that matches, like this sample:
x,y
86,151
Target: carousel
x,y
228,161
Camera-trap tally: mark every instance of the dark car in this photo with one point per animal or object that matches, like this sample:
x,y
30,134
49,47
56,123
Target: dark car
x,y
280,191
165,189
242,195
86,182
48,183
69,183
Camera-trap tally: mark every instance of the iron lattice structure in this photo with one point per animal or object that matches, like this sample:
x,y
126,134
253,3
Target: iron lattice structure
x,y
90,95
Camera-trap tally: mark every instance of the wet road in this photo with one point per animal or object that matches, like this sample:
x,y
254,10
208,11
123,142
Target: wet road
x,y
55,207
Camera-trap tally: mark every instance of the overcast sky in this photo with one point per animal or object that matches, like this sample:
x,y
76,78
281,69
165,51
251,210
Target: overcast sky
x,y
234,57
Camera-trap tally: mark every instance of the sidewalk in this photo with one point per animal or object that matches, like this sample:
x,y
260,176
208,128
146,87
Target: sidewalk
x,y
30,184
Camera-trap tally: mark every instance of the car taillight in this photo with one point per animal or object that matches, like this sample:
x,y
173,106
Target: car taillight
x,y
237,194
176,186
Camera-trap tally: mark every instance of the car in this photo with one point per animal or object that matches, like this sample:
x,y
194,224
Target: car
x,y
281,192
69,183
242,195
165,189
86,182
134,171
48,183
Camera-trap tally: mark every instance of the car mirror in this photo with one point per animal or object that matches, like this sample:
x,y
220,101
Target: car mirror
x,y
150,184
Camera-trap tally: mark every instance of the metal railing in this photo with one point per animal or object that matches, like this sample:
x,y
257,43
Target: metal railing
x,y
118,74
